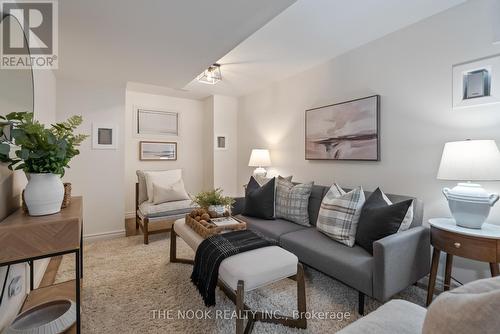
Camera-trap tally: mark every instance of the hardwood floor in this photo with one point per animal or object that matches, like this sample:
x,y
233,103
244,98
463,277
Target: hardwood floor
x,y
50,273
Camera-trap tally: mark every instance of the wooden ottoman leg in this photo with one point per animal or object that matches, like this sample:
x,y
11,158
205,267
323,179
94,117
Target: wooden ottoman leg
x,y
136,222
145,230
240,307
301,297
173,245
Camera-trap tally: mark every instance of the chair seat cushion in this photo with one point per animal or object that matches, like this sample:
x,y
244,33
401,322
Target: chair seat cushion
x,y
396,316
258,267
270,228
166,209
351,265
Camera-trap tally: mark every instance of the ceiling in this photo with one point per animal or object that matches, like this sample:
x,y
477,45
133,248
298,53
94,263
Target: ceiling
x,y
156,44
311,32
159,42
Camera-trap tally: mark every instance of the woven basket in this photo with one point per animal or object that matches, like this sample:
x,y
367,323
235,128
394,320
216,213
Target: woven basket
x,y
208,229
66,199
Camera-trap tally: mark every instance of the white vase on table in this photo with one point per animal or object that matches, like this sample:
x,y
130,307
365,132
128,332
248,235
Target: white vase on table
x,y
43,194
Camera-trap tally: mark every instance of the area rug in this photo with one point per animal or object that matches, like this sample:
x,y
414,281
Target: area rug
x,y
129,287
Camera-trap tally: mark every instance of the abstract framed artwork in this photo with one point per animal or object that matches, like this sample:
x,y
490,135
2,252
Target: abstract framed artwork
x,y
104,136
157,151
157,122
344,131
476,83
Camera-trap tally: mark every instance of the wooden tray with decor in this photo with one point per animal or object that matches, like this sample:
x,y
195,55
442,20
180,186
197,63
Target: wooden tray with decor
x,y
205,224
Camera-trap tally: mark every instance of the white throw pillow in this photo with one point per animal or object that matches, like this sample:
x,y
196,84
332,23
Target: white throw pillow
x,y
339,214
405,224
169,193
161,178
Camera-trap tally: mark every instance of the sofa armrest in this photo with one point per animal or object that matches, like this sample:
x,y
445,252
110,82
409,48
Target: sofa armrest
x,y
238,206
400,260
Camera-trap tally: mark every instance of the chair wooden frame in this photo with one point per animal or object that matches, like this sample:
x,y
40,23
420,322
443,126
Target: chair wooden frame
x,y
143,222
238,298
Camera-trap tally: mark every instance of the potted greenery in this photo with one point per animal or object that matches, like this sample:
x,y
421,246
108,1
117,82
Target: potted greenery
x,y
42,154
213,200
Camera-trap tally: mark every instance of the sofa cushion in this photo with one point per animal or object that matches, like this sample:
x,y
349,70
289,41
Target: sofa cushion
x,y
352,265
292,201
471,308
259,200
397,316
379,219
270,228
166,209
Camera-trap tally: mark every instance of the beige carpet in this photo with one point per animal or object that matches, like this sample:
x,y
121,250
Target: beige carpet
x,y
125,280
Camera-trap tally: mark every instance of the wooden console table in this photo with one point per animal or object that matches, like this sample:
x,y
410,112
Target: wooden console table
x,y
481,245
26,239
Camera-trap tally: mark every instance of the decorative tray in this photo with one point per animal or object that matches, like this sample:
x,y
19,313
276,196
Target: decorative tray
x,y
205,225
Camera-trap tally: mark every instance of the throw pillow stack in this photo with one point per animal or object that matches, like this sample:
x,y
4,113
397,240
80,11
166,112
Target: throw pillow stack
x,y
165,186
350,219
278,198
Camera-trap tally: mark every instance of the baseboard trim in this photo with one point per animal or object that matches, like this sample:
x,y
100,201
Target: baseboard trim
x,y
129,215
104,235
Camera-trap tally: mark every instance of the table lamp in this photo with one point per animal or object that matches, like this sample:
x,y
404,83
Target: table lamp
x,y
260,158
470,160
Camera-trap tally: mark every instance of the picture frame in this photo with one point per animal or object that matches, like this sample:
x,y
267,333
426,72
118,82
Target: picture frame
x,y
476,83
157,151
150,121
104,136
221,142
348,131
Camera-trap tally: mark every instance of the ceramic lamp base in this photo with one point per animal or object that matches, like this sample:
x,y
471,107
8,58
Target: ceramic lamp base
x,y
469,204
260,171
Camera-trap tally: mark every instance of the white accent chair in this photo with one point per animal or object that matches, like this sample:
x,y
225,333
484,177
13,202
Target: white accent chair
x,y
148,212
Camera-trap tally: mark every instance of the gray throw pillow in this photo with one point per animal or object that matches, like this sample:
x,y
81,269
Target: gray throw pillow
x,y
471,308
292,201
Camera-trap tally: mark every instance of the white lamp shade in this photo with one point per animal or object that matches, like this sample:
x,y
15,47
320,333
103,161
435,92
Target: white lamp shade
x,y
470,160
259,158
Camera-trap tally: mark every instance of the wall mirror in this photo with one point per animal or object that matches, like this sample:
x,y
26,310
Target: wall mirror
x,y
16,85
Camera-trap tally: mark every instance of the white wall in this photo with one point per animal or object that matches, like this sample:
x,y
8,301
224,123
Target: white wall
x,y
411,70
97,175
190,142
11,186
225,123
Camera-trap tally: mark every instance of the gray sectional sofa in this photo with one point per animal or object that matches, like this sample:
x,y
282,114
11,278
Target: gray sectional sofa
x,y
398,260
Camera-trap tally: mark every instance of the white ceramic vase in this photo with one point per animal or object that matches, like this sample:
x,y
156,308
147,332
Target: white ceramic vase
x,y
44,194
219,209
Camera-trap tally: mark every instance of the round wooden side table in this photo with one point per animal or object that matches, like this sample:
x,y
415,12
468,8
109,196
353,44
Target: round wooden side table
x,y
481,245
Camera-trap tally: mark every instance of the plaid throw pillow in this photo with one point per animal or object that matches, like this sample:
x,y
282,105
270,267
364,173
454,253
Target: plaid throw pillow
x,y
292,201
339,214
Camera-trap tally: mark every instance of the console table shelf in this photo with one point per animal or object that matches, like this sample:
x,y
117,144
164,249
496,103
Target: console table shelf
x,y
65,290
25,239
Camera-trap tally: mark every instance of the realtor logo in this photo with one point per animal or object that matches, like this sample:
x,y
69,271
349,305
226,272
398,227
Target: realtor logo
x,y
37,47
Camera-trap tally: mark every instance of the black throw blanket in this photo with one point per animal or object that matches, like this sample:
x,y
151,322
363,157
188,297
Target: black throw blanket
x,y
213,250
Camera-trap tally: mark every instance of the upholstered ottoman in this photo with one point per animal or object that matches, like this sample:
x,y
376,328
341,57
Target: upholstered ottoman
x,y
248,271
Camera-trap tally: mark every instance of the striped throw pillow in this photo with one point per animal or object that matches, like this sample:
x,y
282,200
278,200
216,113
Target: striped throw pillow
x,y
339,214
292,201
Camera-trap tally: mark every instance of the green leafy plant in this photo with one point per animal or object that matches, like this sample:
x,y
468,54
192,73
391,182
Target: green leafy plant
x,y
38,149
213,197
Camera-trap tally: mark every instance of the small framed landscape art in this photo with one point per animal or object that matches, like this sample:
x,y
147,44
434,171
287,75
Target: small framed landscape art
x,y
344,131
157,151
104,136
